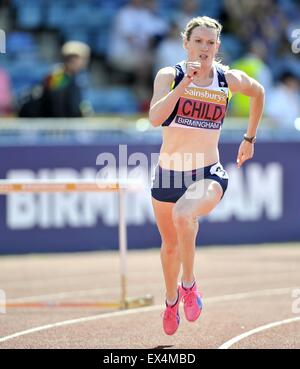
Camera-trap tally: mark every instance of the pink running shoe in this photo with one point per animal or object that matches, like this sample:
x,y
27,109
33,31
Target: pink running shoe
x,y
192,302
171,318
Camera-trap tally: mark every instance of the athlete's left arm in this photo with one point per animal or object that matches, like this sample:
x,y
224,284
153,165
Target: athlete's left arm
x,y
239,81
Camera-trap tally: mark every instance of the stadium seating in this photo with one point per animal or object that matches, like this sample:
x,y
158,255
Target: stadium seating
x,y
112,100
90,21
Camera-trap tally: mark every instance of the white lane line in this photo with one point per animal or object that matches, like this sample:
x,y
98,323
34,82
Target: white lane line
x,y
240,337
82,320
215,299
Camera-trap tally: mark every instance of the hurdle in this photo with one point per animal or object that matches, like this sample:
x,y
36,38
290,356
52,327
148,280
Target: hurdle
x,y
8,186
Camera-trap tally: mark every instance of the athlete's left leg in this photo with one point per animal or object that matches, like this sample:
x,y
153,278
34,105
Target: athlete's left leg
x,y
185,214
185,217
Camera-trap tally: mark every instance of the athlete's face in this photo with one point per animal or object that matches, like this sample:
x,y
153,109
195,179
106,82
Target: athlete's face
x,y
203,45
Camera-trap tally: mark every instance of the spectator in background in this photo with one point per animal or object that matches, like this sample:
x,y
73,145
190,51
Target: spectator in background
x,y
135,32
269,21
254,65
283,103
255,19
271,24
158,27
5,94
170,50
61,91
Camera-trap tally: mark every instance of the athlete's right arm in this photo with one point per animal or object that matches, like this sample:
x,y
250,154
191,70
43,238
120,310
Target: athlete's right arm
x,y
164,99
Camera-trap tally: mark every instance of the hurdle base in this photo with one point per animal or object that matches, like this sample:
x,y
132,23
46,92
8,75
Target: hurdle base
x,y
136,302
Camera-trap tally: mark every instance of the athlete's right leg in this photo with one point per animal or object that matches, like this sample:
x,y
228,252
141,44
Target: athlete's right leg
x,y
169,250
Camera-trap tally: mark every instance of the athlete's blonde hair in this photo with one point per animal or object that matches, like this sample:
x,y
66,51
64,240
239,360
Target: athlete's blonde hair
x,y
201,22
204,22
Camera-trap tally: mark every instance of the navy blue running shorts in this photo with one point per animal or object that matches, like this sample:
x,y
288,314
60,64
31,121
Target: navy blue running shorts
x,y
170,185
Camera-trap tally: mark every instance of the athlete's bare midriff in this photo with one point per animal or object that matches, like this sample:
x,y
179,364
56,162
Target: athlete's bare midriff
x,y
183,144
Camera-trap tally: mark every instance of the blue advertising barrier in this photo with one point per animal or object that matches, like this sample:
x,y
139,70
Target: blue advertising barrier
x,y
262,203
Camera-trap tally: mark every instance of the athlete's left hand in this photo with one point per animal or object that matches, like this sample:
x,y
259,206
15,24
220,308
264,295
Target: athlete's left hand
x,y
246,152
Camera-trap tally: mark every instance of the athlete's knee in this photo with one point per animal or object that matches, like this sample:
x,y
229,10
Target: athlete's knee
x,y
206,207
170,249
210,202
181,218
215,193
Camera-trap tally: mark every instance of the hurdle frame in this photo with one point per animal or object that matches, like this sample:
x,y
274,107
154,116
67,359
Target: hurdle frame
x,y
11,186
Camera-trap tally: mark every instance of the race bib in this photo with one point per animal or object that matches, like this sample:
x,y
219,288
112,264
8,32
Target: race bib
x,y
218,170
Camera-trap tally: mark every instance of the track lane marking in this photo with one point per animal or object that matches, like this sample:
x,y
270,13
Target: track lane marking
x,y
226,345
222,298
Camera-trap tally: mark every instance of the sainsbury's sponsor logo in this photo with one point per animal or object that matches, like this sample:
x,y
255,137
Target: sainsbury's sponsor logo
x,y
219,97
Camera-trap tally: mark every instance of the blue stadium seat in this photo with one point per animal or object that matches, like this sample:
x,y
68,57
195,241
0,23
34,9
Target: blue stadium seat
x,y
287,63
87,17
112,100
103,17
211,8
20,42
290,8
5,62
78,16
231,47
99,42
29,16
102,3
78,34
56,15
25,75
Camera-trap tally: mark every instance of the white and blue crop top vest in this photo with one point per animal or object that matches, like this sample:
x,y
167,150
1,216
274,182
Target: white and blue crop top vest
x,y
200,107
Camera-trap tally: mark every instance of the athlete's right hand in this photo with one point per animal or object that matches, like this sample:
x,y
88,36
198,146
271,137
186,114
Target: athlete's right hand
x,y
192,68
